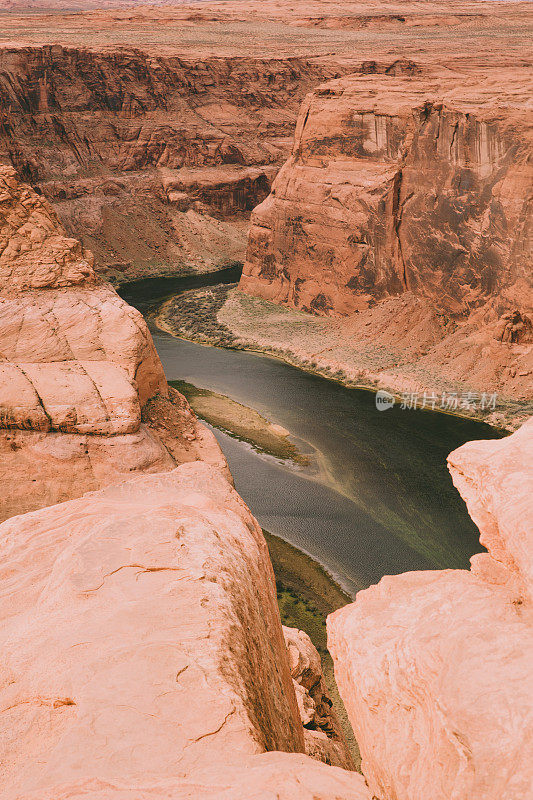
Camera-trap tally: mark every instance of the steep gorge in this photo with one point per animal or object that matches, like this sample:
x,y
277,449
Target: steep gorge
x,y
154,599
84,405
142,650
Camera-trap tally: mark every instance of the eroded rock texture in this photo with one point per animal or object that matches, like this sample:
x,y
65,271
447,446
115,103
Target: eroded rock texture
x,y
156,128
415,189
142,651
435,667
400,185
83,398
322,731
154,162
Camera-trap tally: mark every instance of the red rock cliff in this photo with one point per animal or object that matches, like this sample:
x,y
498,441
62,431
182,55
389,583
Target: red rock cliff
x,y
400,184
143,654
415,190
149,159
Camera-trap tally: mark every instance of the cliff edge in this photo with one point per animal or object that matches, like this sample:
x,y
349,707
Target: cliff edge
x,y
143,654
435,667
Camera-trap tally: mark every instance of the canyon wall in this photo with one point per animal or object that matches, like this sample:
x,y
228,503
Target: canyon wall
x,y
83,398
435,667
149,601
400,184
153,162
406,207
156,129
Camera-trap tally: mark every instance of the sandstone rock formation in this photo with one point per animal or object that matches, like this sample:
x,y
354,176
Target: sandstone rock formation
x,y
155,163
142,651
322,732
435,667
84,404
405,205
83,398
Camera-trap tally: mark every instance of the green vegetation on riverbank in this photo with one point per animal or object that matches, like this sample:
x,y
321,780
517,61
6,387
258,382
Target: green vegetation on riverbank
x,y
306,595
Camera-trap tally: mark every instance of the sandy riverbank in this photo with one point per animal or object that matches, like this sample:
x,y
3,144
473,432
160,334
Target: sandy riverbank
x,y
224,316
242,422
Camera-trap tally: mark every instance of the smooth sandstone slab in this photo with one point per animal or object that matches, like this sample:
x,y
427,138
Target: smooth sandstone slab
x,y
86,324
496,482
142,651
435,667
284,776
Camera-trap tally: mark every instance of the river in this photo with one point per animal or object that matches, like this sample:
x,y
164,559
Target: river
x,y
377,498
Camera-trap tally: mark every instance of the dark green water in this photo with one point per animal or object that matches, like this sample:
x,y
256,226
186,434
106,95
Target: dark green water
x,y
379,499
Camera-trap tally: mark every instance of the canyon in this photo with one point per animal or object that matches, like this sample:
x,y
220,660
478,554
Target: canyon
x,y
143,651
154,599
155,131
85,404
127,144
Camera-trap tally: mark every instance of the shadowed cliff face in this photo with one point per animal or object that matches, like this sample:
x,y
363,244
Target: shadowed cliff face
x,y
154,162
396,186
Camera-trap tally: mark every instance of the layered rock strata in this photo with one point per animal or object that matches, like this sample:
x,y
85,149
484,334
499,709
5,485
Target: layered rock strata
x,y
102,108
405,206
83,397
154,162
143,653
435,667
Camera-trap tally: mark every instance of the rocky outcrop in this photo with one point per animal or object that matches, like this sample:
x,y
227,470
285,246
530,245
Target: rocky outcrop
x,y
98,104
131,601
435,667
83,398
322,731
411,190
399,185
143,652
